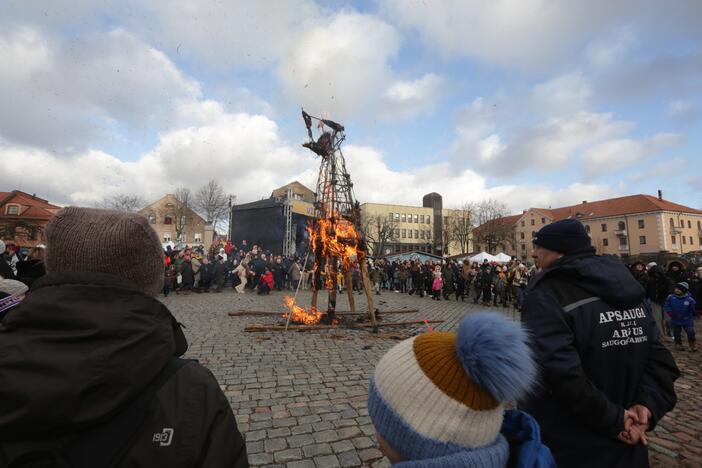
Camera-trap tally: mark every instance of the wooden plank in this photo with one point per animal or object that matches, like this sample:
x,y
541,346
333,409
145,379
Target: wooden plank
x,y
264,328
262,313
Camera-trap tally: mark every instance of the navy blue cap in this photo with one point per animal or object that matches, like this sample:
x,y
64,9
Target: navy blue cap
x,y
565,236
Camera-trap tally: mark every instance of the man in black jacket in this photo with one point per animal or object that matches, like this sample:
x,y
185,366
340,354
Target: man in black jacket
x,y
606,377
89,361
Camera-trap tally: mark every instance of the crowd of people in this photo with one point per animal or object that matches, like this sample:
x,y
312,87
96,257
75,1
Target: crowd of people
x,y
101,356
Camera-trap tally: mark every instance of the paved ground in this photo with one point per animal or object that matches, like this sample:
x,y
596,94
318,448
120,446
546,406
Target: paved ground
x,y
300,397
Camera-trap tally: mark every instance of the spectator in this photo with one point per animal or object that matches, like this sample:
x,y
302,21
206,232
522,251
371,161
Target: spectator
x,y
680,306
657,290
32,268
605,377
5,269
99,356
11,257
265,285
696,289
219,274
438,400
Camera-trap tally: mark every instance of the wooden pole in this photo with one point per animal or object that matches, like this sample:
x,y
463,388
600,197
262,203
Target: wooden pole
x,y
266,313
365,279
264,328
349,290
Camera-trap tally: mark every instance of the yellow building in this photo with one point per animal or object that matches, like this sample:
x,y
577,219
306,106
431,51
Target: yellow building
x,y
626,226
175,222
403,228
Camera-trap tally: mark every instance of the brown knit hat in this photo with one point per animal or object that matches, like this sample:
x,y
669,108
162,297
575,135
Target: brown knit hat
x,y
105,241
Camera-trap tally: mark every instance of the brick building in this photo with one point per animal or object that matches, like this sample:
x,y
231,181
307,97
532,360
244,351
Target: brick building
x,y
23,218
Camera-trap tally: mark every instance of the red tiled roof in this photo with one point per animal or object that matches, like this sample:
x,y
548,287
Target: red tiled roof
x,y
630,204
30,206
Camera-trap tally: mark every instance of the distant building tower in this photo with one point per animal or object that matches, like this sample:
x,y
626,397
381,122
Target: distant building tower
x,y
434,201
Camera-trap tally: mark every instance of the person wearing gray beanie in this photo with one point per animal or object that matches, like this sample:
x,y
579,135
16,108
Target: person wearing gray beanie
x,y
90,359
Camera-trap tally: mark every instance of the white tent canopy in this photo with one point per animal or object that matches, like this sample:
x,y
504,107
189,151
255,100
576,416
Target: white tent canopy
x,y
482,256
503,257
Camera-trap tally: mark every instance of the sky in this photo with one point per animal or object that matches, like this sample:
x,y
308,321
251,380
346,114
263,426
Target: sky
x,y
535,103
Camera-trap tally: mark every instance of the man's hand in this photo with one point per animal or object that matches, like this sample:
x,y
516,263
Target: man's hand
x,y
636,421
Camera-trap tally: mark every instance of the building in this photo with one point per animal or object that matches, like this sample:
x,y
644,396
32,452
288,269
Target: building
x,y
23,218
626,226
173,221
277,223
404,228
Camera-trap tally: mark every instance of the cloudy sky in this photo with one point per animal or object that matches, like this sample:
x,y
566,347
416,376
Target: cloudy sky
x,y
533,102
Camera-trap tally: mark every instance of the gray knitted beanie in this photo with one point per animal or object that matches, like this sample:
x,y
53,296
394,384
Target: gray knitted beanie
x,y
105,241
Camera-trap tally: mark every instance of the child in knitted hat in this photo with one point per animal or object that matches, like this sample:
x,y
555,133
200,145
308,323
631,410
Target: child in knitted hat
x,y
437,400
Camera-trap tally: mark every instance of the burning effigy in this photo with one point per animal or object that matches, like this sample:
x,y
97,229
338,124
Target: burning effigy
x,y
337,243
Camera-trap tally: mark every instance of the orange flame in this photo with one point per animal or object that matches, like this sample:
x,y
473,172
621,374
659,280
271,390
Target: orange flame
x,y
300,315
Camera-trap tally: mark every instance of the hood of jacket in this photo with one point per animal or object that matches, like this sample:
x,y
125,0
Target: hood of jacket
x,y
77,350
604,276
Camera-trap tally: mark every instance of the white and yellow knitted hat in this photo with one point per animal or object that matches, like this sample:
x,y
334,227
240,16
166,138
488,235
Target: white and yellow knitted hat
x,y
440,393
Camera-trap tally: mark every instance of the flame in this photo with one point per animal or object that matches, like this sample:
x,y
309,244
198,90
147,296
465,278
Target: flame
x,y
298,314
338,239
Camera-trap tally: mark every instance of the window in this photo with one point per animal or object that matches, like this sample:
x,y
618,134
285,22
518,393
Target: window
x,y
700,240
672,223
396,233
416,234
397,217
641,224
404,233
152,218
684,239
533,222
404,218
409,233
587,228
673,239
605,242
198,237
421,219
533,234
604,228
166,237
183,221
621,226
168,220
12,210
521,235
543,220
523,246
297,196
391,218
428,219
622,241
416,218
423,233
642,240
522,223
682,223
428,234
689,224
691,242
699,225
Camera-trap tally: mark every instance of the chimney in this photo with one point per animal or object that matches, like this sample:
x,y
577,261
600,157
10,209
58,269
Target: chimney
x,y
524,211
584,201
660,194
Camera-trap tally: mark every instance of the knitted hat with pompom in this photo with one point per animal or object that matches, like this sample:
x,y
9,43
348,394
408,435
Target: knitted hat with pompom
x,y
438,398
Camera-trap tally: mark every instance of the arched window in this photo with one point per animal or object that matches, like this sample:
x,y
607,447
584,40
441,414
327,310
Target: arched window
x,y
587,228
152,218
168,219
621,225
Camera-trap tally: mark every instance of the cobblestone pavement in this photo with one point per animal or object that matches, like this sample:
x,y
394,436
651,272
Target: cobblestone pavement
x,y
300,397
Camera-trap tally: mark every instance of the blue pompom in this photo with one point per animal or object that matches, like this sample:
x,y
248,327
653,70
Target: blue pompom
x,y
494,352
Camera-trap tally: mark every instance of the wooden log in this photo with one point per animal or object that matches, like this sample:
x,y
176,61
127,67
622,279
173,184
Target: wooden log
x,y
263,328
365,280
349,290
262,313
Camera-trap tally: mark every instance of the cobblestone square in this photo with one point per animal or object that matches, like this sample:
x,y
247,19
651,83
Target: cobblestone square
x,y
300,397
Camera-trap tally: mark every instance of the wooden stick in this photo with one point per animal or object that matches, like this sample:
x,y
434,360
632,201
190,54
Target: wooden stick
x,y
365,280
263,328
262,313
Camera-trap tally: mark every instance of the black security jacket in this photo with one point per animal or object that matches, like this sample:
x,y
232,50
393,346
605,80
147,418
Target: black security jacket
x,y
599,352
80,349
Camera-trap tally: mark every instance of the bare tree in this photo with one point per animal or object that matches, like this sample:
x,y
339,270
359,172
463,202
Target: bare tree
x,y
491,229
180,211
460,227
378,230
123,202
212,203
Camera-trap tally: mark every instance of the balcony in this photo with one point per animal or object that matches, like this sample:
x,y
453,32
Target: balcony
x,y
620,233
623,248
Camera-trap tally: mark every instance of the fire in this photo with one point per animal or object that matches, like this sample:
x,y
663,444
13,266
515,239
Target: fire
x,y
298,314
337,238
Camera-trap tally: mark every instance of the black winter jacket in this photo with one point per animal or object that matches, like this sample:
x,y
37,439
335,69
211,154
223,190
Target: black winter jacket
x,y
599,351
80,349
